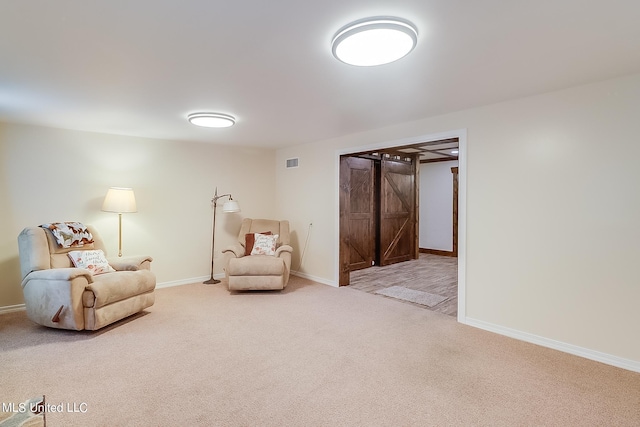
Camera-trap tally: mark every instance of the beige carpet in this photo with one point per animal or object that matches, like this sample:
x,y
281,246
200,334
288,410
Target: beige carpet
x,y
411,295
311,356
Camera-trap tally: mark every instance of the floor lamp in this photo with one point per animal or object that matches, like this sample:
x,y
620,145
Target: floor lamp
x,y
120,200
228,207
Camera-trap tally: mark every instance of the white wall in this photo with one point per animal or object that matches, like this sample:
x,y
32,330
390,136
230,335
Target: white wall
x,y
305,196
436,205
552,231
552,235
59,175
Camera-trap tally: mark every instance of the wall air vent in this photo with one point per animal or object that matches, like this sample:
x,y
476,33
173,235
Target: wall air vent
x,y
292,163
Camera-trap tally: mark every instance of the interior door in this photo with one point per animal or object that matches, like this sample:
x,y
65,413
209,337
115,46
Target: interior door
x,y
357,215
397,223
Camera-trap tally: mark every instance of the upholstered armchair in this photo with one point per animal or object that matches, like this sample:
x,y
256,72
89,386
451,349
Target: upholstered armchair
x,y
261,258
60,295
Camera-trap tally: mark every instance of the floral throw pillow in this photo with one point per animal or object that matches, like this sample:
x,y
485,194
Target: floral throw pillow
x,y
249,241
264,244
94,261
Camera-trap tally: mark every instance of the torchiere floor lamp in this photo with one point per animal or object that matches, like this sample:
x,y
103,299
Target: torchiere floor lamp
x,y
228,207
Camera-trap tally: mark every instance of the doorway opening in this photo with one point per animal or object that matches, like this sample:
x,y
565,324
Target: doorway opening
x,y
419,151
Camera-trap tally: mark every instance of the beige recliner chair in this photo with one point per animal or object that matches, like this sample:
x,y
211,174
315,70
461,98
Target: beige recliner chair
x,y
245,271
59,295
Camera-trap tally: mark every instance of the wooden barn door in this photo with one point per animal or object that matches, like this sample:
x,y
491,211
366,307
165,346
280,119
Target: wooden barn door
x,y
397,224
357,215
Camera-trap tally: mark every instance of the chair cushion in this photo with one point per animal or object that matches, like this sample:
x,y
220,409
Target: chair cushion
x,y
111,287
256,265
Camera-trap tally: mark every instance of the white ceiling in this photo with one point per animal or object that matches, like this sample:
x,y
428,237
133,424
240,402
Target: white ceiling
x,y
138,67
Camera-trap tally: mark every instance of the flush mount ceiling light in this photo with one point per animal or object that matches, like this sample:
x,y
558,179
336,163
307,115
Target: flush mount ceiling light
x,y
212,120
374,41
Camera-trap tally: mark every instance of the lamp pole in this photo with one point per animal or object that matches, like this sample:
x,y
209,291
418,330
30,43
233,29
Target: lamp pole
x,y
211,280
119,234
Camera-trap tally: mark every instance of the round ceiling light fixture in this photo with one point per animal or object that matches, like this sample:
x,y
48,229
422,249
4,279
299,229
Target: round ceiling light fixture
x,y
211,120
374,41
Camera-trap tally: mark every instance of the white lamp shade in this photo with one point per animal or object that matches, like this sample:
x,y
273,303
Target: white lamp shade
x,y
120,200
230,206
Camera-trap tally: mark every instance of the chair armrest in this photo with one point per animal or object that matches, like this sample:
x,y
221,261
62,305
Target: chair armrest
x,y
130,263
58,274
284,248
54,297
237,250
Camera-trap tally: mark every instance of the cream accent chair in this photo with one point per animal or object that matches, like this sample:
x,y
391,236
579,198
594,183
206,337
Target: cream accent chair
x,y
259,272
59,295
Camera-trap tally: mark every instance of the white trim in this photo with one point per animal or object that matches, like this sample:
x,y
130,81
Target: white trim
x,y
462,225
315,278
608,359
187,281
12,308
20,307
461,134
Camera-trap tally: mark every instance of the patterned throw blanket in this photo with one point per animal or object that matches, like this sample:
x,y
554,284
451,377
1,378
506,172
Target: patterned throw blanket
x,y
69,234
30,413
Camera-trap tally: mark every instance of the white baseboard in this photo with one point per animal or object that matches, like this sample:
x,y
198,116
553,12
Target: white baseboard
x,y
314,278
12,308
222,276
188,281
19,307
598,356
